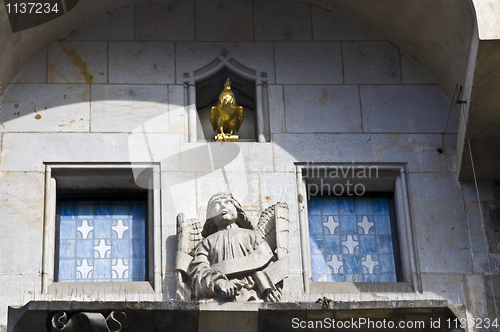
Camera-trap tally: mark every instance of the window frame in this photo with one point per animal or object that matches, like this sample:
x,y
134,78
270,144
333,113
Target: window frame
x,y
390,178
153,284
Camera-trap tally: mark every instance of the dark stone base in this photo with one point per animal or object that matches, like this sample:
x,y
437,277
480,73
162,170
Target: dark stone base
x,y
185,316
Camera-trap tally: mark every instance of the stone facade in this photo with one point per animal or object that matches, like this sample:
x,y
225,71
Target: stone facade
x,y
337,93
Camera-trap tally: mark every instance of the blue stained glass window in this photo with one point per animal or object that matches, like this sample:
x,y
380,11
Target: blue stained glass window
x,y
351,239
102,241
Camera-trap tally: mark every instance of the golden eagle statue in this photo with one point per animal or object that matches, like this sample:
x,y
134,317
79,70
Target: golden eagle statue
x,y
226,117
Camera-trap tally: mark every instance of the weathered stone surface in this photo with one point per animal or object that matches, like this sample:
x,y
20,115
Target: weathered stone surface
x,y
46,108
476,295
434,217
117,24
412,72
217,20
327,109
243,185
178,196
446,286
169,284
371,63
476,226
17,290
21,213
492,226
282,20
163,148
292,286
471,194
418,151
34,71
177,115
276,109
244,156
141,62
166,20
77,62
18,155
308,63
330,26
193,56
123,108
405,108
211,321
486,263
494,288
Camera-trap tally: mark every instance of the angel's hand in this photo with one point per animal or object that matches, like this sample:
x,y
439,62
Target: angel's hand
x,y
226,288
274,295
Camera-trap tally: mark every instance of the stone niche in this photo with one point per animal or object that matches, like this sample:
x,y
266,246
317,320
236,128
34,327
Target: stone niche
x,y
207,94
203,87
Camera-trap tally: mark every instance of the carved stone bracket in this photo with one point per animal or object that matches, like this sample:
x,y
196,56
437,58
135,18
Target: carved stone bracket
x,y
89,322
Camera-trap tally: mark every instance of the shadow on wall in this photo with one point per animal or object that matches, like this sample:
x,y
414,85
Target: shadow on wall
x,y
67,107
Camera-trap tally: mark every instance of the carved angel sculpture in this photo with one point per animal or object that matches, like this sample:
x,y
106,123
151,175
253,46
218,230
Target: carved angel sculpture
x,y
228,258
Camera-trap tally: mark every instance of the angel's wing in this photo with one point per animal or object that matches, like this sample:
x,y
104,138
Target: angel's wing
x,y
188,238
273,226
239,115
281,216
214,117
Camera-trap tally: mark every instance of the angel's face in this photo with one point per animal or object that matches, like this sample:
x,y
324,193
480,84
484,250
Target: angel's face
x,y
224,212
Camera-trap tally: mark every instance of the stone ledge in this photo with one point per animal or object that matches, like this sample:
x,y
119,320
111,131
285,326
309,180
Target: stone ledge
x,y
186,316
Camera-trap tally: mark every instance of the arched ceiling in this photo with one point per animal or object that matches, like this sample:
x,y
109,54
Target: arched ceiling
x,y
438,34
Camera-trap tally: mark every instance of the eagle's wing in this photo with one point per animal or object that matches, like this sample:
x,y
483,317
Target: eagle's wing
x,y
239,116
214,117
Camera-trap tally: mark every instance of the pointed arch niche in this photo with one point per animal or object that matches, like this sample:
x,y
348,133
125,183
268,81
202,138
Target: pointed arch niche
x,y
203,87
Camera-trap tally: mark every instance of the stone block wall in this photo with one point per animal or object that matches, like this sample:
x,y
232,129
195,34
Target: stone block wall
x,y
482,201
337,92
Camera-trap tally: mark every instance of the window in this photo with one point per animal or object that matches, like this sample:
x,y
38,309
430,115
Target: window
x,y
355,228
101,240
98,228
353,238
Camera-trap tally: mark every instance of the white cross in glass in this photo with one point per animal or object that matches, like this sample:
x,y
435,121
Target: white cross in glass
x,y
85,229
350,244
120,268
85,268
365,224
369,263
102,248
120,228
